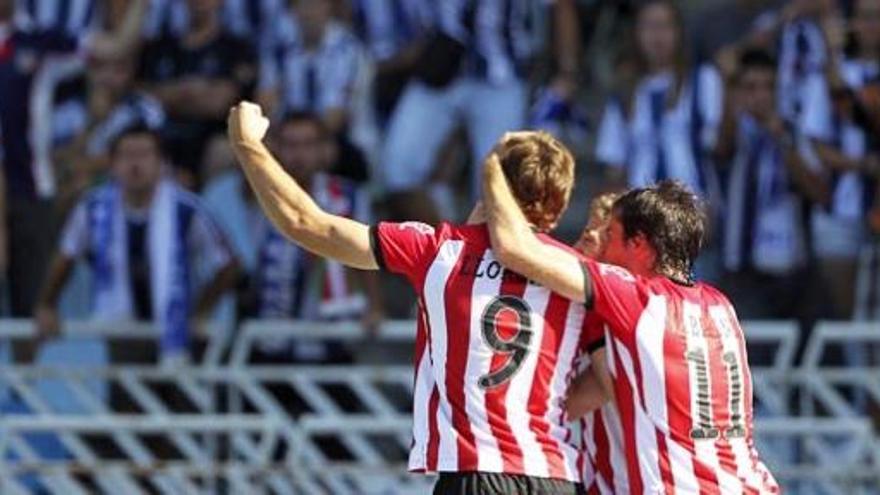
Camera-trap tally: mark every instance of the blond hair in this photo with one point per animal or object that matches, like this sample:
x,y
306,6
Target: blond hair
x,y
601,207
540,171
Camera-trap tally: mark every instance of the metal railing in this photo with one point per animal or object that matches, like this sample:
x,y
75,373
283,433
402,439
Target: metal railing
x,y
231,425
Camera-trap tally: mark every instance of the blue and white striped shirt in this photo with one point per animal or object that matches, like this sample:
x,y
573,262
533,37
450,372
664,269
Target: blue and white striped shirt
x,y
851,195
258,20
802,54
764,224
26,84
317,79
499,35
74,17
387,26
71,117
656,141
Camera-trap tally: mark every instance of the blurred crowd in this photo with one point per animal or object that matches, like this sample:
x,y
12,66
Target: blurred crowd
x,y
118,183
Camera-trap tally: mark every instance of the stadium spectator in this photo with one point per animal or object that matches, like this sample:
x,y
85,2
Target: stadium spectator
x,y
91,110
141,234
283,280
256,20
73,17
25,108
765,246
556,110
394,32
734,26
315,67
664,123
839,127
471,71
197,76
803,53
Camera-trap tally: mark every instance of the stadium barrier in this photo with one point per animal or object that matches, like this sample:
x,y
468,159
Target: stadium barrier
x,y
223,425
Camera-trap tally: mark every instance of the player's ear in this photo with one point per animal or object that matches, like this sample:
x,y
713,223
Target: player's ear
x,y
639,242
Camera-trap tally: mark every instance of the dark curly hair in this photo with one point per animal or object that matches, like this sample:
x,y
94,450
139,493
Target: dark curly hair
x,y
671,218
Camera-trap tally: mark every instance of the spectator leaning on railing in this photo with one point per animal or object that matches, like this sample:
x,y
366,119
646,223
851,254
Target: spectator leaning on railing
x,y
141,233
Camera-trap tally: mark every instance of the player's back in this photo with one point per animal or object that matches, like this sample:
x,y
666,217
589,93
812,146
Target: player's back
x,y
683,387
496,360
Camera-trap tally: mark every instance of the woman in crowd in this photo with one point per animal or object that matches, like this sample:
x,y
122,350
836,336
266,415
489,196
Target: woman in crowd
x,y
664,122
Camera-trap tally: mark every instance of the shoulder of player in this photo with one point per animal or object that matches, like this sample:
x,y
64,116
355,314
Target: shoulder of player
x,y
713,293
472,234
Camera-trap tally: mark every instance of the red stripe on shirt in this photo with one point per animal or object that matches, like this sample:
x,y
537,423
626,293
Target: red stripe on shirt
x,y
555,317
433,432
626,405
664,463
604,469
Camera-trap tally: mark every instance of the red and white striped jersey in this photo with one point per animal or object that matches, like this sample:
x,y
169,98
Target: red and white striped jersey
x,y
682,383
602,436
494,356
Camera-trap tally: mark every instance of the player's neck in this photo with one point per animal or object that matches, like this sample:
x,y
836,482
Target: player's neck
x,y
677,276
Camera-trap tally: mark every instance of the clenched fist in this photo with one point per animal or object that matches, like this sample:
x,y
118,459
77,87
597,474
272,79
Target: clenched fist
x,y
246,123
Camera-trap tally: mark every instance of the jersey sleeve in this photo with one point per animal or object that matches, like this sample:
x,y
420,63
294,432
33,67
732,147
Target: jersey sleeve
x,y
614,295
404,248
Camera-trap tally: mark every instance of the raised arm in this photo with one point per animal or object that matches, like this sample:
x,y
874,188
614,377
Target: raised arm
x,y
125,37
519,249
288,206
